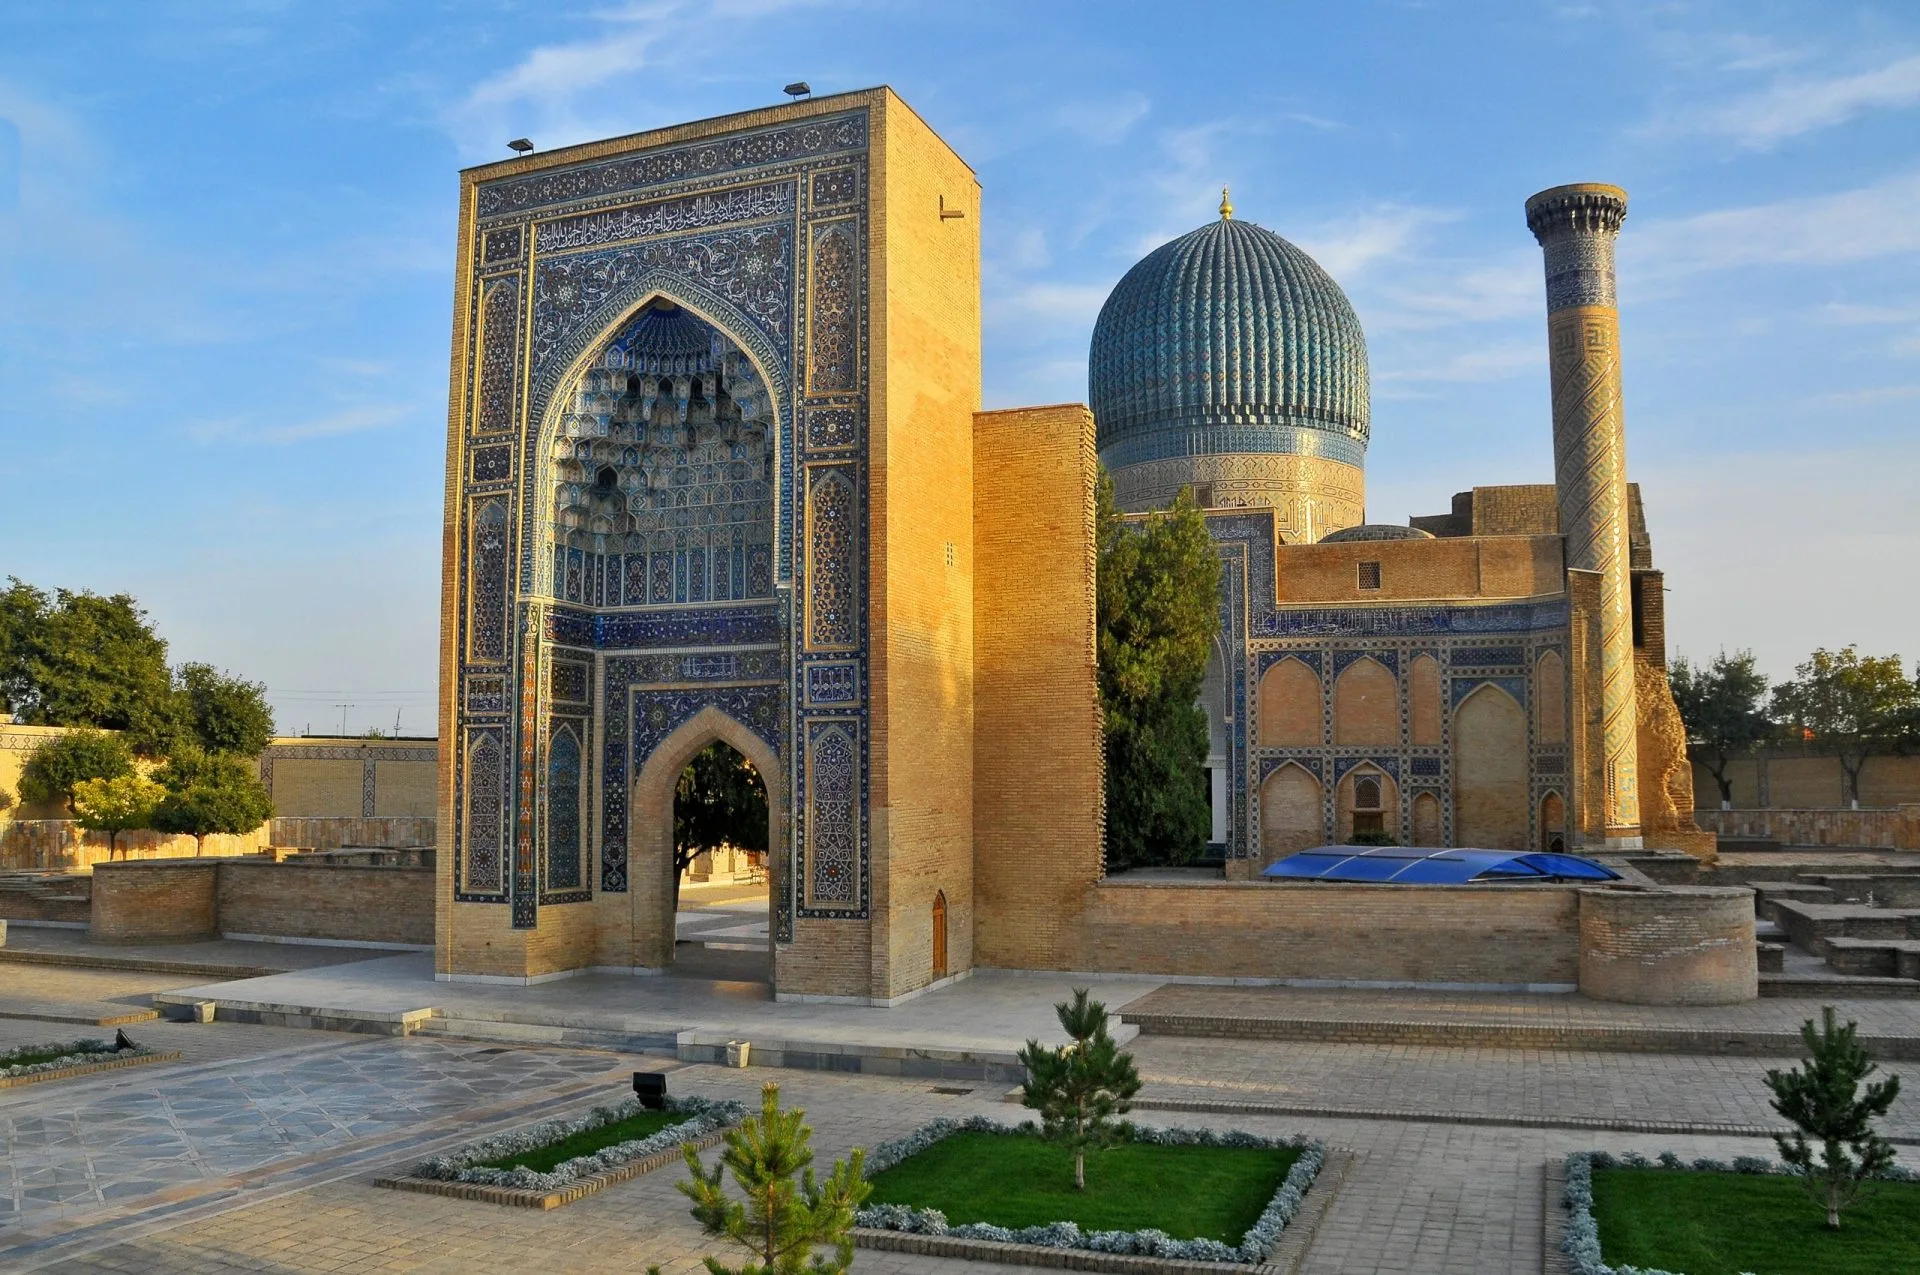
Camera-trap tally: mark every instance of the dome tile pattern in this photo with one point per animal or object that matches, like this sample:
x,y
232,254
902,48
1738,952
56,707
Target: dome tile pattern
x,y
1228,340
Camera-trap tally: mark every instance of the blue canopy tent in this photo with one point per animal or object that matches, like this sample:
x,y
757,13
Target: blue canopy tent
x,y
1412,865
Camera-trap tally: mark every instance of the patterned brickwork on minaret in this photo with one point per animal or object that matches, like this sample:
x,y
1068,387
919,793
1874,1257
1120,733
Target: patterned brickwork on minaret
x,y
1576,226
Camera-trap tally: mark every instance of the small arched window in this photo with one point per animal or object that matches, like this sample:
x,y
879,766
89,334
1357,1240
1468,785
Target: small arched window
x,y
1366,793
940,935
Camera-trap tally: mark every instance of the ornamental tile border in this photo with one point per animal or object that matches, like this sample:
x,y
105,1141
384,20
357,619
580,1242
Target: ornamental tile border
x,y
1063,1245
551,1199
87,1069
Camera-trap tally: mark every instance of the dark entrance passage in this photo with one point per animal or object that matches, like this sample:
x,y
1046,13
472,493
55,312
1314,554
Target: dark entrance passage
x,y
722,900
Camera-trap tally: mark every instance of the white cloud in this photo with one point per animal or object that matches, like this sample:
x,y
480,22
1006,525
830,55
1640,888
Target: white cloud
x,y
1851,313
1848,226
1346,249
1103,121
1058,304
1485,363
1873,397
350,420
1792,107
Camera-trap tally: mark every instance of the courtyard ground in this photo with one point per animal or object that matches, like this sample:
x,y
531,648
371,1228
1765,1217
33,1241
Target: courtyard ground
x,y
258,1150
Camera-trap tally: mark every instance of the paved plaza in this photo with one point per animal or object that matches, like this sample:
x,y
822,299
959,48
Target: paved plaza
x,y
258,1150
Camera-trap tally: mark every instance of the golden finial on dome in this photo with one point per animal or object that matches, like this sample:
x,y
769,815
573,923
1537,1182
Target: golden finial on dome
x,y
1226,206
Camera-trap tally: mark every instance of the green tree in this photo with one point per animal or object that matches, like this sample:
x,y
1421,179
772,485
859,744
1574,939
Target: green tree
x,y
210,792
58,765
116,805
78,659
6,799
1158,614
1859,706
226,714
719,800
786,1213
1722,705
1080,1087
1822,1099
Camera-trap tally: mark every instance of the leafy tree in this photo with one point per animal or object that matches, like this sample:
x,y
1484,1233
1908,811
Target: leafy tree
x,y
115,805
718,801
1722,706
786,1213
6,799
1822,1099
226,714
1859,706
210,792
1080,1087
60,764
1158,612
78,659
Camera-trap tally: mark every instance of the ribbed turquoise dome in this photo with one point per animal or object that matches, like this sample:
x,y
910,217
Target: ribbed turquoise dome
x,y
1228,339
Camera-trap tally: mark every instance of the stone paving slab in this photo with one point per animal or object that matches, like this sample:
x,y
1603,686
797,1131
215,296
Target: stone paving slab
x,y
1421,1197
214,953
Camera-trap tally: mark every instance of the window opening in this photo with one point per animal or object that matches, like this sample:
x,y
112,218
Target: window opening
x,y
1369,575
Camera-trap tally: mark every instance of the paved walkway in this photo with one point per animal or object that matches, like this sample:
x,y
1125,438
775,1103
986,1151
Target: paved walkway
x,y
213,952
1422,1197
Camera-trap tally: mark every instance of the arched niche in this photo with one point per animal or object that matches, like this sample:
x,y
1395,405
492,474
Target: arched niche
x,y
1366,801
1490,803
1289,706
675,345
1553,822
1426,820
1366,704
1550,698
1290,812
1423,700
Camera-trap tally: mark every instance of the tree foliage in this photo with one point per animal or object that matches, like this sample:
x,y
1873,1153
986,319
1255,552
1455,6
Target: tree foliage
x,y
56,767
226,714
1158,614
1823,1100
1080,1087
114,806
718,801
785,1214
78,659
210,792
1859,706
1724,707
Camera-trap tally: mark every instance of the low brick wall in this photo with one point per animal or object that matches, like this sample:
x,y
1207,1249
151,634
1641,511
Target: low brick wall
x,y
1504,935
1895,828
164,901
1674,945
182,900
332,833
63,844
327,901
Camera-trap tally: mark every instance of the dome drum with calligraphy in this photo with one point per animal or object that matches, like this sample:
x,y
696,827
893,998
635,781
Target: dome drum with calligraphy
x,y
1228,361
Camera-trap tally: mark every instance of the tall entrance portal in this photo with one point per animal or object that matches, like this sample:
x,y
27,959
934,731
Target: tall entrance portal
x,y
689,369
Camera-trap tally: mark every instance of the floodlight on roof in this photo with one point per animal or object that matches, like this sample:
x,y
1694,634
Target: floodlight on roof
x,y
799,88
520,145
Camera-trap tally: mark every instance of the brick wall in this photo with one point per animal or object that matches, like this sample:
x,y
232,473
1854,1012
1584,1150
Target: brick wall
x,y
1678,945
1802,778
331,901
168,901
1037,805
63,844
1491,567
176,901
331,834
1451,934
925,387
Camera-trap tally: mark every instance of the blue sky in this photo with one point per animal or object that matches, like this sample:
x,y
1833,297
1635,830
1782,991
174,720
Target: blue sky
x,y
226,245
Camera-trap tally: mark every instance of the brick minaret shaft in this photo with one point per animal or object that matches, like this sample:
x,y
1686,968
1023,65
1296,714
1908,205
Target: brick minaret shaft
x,y
1576,226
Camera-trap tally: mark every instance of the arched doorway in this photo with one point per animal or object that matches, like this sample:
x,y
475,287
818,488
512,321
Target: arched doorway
x,y
940,935
651,840
720,850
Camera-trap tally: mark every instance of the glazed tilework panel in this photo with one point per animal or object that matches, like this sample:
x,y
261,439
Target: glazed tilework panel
x,y
764,235
1328,640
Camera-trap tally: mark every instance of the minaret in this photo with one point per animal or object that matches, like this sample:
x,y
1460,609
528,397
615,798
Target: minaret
x,y
1576,226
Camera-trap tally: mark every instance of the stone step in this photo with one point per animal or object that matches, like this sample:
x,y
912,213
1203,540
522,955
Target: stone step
x,y
85,1015
1837,986
1881,957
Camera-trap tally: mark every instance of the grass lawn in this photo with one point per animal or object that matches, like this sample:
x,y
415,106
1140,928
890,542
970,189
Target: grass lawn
x,y
1013,1181
543,1159
1726,1223
48,1055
